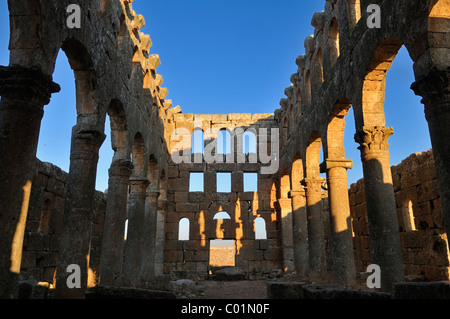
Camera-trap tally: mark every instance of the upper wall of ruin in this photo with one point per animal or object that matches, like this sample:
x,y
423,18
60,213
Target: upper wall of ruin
x,y
345,64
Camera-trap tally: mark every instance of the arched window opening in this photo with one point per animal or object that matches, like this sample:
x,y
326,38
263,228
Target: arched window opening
x,y
319,69
224,142
249,142
138,154
299,104
260,228
333,39
183,229
198,142
222,215
44,223
308,88
291,119
354,12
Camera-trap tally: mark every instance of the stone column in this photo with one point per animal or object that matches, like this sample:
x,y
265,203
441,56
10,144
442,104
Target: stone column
x,y
435,90
114,226
300,232
149,236
287,238
78,211
381,210
316,234
24,92
340,221
134,243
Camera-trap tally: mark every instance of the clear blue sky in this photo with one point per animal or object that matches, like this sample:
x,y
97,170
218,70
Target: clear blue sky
x,y
228,57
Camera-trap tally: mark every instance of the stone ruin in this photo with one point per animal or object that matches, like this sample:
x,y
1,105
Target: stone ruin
x,y
311,229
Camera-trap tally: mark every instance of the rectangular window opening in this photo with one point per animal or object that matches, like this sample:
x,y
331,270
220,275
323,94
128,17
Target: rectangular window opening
x,y
196,182
223,182
250,182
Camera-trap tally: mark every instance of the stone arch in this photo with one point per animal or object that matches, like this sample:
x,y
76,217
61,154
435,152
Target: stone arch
x,y
438,31
308,88
85,76
118,123
336,128
375,82
353,13
333,41
138,155
299,104
318,70
312,160
297,173
152,173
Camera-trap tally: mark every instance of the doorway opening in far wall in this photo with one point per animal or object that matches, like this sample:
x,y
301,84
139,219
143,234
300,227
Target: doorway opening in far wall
x,y
222,253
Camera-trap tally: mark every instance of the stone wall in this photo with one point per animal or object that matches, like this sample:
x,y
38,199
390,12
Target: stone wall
x,y
44,223
423,238
243,207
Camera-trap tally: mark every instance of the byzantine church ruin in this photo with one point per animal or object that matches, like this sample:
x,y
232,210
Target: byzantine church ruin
x,y
284,212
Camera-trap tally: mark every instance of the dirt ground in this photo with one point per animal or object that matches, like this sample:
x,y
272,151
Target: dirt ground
x,y
247,289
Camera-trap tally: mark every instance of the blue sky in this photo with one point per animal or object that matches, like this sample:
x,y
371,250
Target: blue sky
x,y
228,57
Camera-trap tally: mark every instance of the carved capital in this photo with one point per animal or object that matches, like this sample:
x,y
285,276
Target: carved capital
x,y
434,88
121,169
86,144
138,187
373,138
27,85
314,184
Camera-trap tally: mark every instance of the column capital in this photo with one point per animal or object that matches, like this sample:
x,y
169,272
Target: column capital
x,y
27,85
314,183
336,162
121,168
373,138
153,195
86,143
433,86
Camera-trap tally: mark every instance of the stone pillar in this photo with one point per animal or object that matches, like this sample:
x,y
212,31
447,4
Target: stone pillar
x,y
287,238
344,271
24,92
381,210
134,243
435,90
114,226
149,239
78,211
316,234
300,232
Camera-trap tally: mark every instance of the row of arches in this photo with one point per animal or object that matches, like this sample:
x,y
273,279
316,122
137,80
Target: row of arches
x,y
321,129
